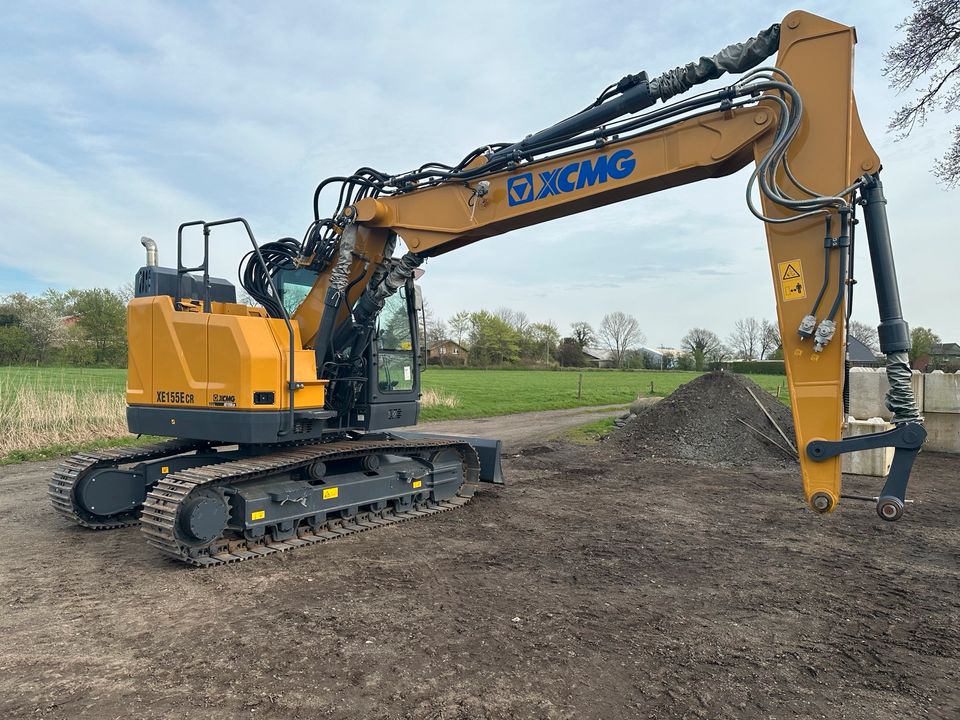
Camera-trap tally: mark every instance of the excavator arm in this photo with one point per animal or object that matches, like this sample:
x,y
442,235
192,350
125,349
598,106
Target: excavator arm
x,y
797,122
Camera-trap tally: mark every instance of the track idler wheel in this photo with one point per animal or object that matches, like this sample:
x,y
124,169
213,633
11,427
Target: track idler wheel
x,y
203,518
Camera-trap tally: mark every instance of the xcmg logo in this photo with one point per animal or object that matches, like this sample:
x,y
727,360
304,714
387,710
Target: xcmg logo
x,y
575,176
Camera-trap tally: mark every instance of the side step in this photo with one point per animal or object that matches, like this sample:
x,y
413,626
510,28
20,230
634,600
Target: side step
x,y
487,449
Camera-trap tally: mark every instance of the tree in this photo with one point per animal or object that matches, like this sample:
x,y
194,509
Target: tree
x,y
460,326
583,334
102,320
769,339
39,323
922,340
703,345
545,337
126,292
569,353
684,361
492,340
930,55
44,326
746,338
642,360
867,334
718,354
63,302
436,327
15,345
619,332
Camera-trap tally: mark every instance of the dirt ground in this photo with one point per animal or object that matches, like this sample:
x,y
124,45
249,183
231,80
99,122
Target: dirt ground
x,y
594,585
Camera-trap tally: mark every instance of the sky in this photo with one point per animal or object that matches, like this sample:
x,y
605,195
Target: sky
x,y
122,119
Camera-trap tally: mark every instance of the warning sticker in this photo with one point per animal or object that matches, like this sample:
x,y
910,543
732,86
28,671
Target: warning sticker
x,y
331,493
791,280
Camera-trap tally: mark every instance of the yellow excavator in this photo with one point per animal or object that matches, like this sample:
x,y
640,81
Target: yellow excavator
x,y
284,416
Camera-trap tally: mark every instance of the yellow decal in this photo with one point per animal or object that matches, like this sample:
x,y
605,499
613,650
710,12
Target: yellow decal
x,y
417,483
258,514
791,280
165,470
331,493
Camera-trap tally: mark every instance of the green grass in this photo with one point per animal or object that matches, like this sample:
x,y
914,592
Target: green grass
x,y
47,412
591,432
485,393
66,378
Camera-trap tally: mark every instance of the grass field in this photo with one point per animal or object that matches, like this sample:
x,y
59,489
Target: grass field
x,y
46,412
484,393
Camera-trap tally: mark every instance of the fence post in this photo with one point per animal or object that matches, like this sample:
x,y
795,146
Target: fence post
x,y
579,385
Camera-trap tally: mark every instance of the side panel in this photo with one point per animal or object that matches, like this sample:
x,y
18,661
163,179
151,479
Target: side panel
x,y
179,356
140,351
244,359
828,154
311,394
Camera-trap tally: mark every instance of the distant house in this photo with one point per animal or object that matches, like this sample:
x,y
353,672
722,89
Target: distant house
x,y
860,355
663,357
599,357
943,356
447,352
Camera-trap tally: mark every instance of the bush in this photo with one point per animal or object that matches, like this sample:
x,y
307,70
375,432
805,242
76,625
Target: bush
x,y
757,367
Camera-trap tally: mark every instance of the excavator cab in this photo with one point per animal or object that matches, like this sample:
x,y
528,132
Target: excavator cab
x,y
391,386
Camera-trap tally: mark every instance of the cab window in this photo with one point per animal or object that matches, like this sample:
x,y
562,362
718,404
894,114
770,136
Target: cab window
x,y
395,345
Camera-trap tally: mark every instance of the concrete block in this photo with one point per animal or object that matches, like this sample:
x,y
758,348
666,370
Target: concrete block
x,y
867,462
868,392
868,388
941,392
919,383
943,432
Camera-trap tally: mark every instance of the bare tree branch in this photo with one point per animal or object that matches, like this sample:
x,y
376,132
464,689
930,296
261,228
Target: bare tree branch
x,y
929,53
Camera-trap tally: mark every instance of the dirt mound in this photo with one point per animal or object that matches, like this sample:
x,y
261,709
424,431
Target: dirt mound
x,y
700,421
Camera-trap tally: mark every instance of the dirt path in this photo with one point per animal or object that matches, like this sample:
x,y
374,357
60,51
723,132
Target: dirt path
x,y
525,428
591,586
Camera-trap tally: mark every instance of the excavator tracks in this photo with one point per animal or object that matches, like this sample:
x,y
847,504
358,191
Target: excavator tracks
x,y
159,520
62,487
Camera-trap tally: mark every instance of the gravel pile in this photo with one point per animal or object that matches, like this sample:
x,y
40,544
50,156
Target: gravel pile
x,y
701,422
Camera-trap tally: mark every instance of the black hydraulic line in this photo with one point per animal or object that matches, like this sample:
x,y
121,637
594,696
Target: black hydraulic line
x,y
361,276
894,333
827,247
843,243
634,99
851,281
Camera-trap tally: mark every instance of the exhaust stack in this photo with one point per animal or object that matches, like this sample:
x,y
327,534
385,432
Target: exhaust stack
x,y
151,246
